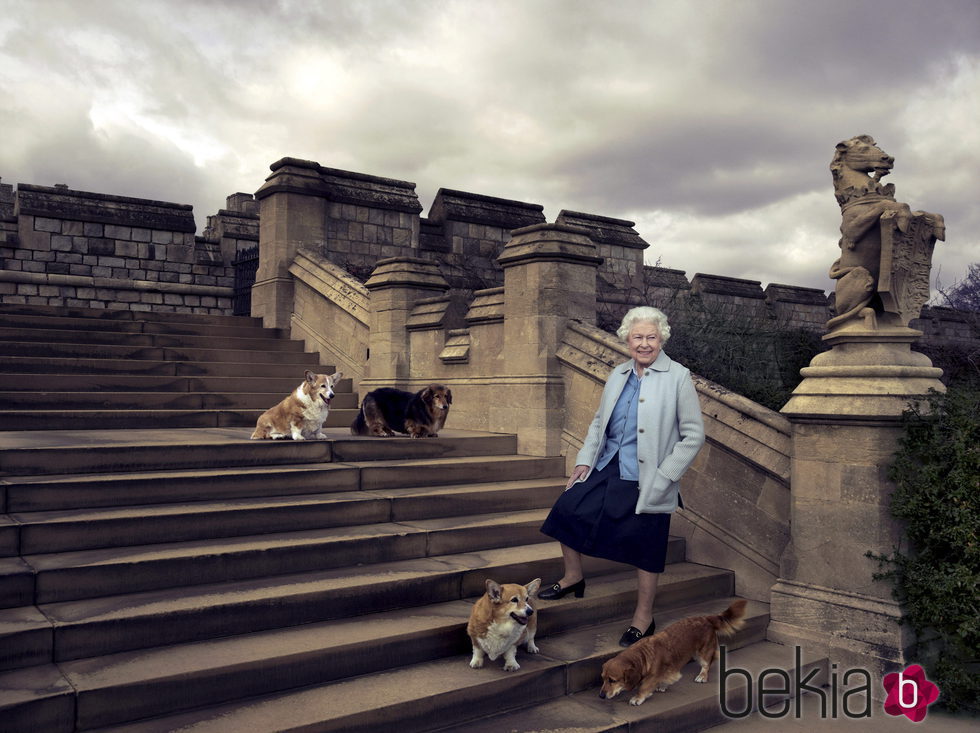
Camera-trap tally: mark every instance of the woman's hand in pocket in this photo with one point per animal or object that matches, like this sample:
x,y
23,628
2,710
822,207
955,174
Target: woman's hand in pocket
x,y
578,473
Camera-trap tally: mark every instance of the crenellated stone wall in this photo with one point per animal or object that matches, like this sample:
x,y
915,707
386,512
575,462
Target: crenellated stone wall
x,y
82,249
466,232
233,228
146,255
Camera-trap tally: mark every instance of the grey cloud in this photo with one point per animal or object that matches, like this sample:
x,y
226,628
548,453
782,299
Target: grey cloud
x,y
702,110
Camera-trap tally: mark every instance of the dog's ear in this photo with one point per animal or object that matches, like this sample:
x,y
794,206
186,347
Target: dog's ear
x,y
493,590
533,586
449,396
427,395
336,377
631,676
310,376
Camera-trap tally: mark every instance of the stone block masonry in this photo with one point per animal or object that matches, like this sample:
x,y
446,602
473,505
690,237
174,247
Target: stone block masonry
x,y
69,248
6,201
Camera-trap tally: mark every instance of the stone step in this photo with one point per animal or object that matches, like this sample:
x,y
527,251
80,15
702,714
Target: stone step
x,y
163,383
127,686
16,583
149,326
97,626
155,400
177,352
121,419
29,453
149,367
686,706
9,536
51,493
112,315
432,695
27,635
65,576
64,338
56,632
36,533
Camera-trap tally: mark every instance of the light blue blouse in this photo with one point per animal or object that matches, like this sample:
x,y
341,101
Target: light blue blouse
x,y
621,432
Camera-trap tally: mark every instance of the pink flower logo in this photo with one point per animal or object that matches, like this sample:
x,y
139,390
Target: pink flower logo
x,y
909,693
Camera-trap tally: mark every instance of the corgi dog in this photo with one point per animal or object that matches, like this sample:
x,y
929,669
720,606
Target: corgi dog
x,y
503,618
301,414
655,662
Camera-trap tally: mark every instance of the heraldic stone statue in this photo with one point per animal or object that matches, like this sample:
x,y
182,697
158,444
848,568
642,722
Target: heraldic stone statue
x,y
886,249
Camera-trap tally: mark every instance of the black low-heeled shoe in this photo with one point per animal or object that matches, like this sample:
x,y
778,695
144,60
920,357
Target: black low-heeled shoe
x,y
555,591
633,634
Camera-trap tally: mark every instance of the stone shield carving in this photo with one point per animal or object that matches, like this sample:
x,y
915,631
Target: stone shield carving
x,y
906,260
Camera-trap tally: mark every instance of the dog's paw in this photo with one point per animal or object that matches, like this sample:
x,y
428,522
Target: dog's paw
x,y
531,648
476,663
661,688
701,678
637,700
511,667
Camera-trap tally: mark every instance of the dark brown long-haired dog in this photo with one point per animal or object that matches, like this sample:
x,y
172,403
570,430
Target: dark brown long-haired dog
x,y
387,411
655,662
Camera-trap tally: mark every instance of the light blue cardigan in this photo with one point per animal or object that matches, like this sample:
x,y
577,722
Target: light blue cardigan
x,y
670,430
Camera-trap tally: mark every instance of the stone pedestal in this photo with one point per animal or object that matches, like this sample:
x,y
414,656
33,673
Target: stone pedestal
x,y
845,419
549,278
292,215
396,285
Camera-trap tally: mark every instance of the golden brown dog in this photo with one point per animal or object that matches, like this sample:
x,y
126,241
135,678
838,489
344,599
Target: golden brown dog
x,y
503,618
387,411
655,662
301,414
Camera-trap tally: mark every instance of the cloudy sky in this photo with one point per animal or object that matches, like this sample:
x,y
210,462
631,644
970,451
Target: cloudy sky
x,y
710,123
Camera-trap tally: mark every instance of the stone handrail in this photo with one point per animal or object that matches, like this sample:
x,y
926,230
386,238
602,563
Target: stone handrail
x,y
330,312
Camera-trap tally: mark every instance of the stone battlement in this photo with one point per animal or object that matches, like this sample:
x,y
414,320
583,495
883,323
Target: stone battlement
x,y
93,250
352,220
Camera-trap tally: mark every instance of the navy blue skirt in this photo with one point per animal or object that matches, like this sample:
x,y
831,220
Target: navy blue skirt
x,y
597,517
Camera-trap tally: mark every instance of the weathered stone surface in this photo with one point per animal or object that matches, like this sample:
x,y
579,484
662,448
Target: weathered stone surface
x,y
702,284
6,201
460,206
121,211
603,229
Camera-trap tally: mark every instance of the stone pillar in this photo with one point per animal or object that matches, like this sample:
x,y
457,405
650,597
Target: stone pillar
x,y
396,285
845,419
549,278
292,214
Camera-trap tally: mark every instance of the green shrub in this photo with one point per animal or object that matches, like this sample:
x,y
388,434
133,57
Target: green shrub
x,y
937,497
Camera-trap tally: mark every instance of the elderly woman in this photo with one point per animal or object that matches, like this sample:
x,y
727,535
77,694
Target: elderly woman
x,y
619,498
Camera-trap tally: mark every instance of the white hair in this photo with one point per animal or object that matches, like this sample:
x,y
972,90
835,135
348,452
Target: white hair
x,y
644,314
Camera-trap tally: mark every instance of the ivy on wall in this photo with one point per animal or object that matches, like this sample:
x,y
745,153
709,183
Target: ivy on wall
x,y
937,497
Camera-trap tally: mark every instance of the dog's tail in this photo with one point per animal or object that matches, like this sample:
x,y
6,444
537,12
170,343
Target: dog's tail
x,y
727,623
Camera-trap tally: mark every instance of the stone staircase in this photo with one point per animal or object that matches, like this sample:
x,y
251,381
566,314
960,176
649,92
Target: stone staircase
x,y
81,368
160,572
